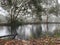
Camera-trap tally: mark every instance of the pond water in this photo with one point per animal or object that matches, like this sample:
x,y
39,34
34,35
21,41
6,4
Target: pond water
x,y
26,31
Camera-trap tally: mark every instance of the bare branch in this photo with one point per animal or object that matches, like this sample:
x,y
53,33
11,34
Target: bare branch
x,y
21,7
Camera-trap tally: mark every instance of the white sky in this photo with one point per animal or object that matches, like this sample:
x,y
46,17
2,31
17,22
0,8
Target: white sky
x,y
3,12
59,1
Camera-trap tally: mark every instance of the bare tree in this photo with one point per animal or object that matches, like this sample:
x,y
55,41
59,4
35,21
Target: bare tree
x,y
14,7
20,7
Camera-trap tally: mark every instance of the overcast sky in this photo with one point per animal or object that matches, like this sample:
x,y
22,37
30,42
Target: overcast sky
x,y
3,12
59,1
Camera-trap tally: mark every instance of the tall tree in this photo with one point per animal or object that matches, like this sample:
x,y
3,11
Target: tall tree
x,y
14,8
37,9
18,7
54,9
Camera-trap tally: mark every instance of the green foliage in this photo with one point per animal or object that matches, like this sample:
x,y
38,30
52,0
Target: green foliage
x,y
57,33
52,10
38,8
9,2
37,5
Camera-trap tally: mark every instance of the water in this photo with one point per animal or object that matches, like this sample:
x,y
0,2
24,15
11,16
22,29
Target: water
x,y
27,31
24,31
4,30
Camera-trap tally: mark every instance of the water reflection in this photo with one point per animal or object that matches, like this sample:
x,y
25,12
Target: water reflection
x,y
4,30
26,31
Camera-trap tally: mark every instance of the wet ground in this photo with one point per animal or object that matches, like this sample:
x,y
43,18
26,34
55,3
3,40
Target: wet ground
x,y
40,41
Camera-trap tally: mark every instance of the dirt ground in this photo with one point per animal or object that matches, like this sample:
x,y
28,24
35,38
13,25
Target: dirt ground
x,y
40,41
